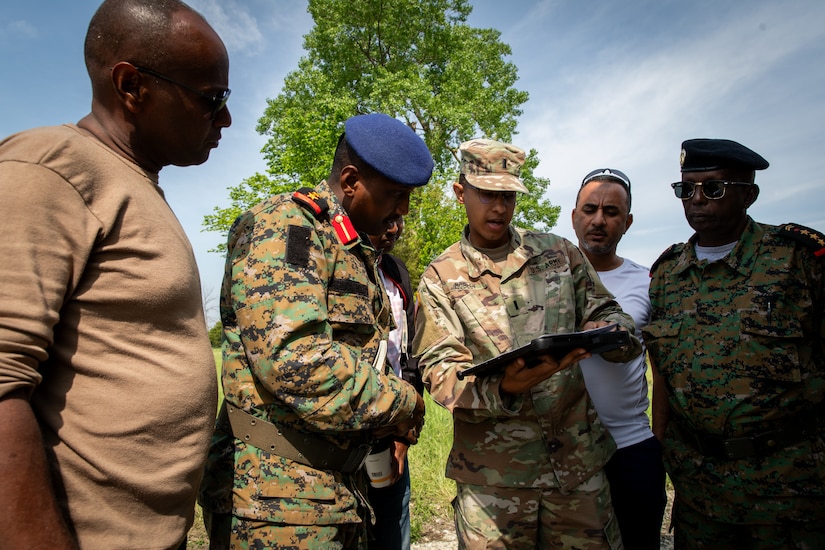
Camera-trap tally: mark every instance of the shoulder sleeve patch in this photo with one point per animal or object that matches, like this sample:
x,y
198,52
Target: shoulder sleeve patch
x,y
671,252
297,245
811,238
311,200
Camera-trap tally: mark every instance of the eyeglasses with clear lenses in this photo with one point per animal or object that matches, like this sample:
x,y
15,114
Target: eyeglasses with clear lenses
x,y
489,197
711,189
217,101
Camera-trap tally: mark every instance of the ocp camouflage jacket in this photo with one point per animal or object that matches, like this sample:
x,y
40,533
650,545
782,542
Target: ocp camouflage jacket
x,y
471,310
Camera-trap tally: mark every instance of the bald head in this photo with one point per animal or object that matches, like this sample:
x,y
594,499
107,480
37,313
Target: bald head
x,y
142,32
160,81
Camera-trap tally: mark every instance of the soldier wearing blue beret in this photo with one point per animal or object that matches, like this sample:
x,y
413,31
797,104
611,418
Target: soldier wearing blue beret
x,y
736,345
305,378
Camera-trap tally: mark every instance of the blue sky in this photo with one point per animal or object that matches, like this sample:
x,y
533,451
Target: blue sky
x,y
611,84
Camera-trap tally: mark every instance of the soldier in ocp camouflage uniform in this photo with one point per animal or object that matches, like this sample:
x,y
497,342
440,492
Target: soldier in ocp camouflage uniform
x,y
528,448
736,342
305,326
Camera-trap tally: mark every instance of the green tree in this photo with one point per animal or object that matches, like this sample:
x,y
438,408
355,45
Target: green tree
x,y
215,334
418,61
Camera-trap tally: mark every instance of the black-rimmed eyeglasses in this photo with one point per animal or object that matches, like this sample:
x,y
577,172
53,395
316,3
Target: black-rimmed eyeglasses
x,y
217,101
711,189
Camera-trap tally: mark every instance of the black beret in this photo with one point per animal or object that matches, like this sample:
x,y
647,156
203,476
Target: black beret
x,y
390,147
707,155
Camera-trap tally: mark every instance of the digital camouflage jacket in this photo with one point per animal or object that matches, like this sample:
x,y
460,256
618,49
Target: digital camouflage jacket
x,y
739,343
303,313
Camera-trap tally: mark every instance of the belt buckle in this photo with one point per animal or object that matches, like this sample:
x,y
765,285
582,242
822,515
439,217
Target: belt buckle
x,y
356,459
769,442
739,447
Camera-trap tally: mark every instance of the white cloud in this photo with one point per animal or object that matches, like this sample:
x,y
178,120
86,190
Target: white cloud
x,y
233,22
16,30
628,103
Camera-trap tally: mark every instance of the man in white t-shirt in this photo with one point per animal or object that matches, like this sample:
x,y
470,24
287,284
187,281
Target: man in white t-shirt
x,y
392,504
619,390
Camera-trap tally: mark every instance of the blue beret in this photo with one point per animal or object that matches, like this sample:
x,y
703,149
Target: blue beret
x,y
707,155
390,147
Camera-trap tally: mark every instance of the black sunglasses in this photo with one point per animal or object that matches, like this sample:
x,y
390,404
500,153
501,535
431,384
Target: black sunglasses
x,y
711,189
217,101
603,173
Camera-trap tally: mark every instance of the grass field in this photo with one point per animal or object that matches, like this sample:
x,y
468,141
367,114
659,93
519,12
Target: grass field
x,y
431,492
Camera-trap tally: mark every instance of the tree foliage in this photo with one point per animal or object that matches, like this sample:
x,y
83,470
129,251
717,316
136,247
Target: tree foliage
x,y
416,60
216,334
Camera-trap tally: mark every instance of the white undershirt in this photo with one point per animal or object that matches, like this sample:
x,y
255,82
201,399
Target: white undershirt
x,y
619,390
397,338
713,253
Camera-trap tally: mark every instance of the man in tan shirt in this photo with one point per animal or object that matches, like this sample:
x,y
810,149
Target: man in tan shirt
x,y
107,381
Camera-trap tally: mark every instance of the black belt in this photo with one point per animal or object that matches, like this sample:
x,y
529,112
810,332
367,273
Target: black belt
x,y
788,432
304,447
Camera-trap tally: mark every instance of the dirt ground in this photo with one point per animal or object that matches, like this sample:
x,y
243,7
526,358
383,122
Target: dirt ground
x,y
441,534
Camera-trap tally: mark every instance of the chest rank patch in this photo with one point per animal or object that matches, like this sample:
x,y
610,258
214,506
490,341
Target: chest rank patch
x,y
811,238
312,201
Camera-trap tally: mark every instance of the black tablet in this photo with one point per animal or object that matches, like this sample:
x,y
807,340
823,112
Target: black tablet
x,y
597,340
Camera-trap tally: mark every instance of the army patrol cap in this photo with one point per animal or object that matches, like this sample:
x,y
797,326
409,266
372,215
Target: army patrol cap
x,y
492,165
390,147
707,155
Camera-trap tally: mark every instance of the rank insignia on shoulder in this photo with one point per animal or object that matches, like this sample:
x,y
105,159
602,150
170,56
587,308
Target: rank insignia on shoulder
x,y
311,200
811,238
344,229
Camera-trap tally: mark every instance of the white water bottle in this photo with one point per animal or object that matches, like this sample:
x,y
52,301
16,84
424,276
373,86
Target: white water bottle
x,y
379,463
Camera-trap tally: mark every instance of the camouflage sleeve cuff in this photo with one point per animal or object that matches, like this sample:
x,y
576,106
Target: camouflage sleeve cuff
x,y
407,399
626,353
511,404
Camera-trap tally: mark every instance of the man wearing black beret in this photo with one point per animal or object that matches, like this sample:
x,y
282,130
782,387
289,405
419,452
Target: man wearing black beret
x,y
305,379
736,345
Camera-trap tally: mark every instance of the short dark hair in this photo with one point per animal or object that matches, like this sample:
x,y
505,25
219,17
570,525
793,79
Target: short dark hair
x,y
608,179
344,156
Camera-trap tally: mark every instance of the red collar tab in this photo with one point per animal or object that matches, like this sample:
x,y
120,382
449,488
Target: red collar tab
x,y
344,228
311,200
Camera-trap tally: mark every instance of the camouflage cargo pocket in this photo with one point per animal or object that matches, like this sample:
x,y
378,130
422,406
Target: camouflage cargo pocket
x,y
350,310
273,489
768,345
